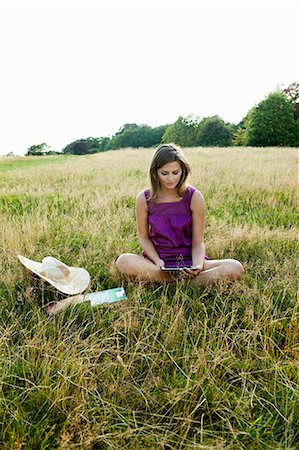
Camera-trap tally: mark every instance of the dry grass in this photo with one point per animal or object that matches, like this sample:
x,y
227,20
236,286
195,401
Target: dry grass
x,y
173,367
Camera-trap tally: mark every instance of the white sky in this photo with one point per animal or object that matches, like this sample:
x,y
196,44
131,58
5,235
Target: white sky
x,y
71,69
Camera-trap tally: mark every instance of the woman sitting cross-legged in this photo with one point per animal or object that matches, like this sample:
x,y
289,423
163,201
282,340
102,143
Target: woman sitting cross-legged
x,y
170,220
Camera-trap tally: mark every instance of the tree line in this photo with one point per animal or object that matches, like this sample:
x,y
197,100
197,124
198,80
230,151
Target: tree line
x,y
272,122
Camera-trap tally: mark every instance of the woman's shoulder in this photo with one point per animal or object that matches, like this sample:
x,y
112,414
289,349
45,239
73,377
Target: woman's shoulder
x,y
197,198
143,196
191,190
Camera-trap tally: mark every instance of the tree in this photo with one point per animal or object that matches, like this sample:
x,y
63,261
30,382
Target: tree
x,y
126,136
157,134
240,137
182,132
292,92
213,131
87,146
241,133
133,135
296,134
103,144
272,122
38,150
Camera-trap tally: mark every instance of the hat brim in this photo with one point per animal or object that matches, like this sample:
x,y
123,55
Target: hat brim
x,y
78,278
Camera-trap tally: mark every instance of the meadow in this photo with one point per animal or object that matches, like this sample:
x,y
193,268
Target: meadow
x,y
172,367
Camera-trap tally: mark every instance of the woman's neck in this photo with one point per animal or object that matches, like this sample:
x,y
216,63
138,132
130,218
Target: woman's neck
x,y
169,193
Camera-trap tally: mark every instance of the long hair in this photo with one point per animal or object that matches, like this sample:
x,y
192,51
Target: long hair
x,y
164,154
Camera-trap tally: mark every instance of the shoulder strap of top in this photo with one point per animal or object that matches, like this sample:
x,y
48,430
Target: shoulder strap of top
x,y
188,195
147,194
191,190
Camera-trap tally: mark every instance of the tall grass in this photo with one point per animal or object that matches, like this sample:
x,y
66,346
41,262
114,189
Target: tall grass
x,y
173,367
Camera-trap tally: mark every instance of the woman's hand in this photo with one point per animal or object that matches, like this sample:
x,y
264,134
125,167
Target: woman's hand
x,y
160,263
193,271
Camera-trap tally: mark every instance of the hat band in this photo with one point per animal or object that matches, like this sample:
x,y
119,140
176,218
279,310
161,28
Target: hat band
x,y
56,273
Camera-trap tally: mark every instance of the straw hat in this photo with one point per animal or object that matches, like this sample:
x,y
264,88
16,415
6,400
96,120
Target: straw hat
x,y
69,280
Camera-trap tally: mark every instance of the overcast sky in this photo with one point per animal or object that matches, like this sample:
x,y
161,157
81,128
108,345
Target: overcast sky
x,y
71,69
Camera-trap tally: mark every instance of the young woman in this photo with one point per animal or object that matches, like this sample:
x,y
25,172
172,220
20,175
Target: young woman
x,y
170,221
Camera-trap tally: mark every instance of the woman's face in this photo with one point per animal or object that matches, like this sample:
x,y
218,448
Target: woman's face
x,y
170,174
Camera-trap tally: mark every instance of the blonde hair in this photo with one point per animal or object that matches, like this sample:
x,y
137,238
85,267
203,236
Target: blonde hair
x,y
164,154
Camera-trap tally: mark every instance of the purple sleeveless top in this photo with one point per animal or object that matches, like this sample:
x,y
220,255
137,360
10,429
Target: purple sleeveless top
x,y
170,229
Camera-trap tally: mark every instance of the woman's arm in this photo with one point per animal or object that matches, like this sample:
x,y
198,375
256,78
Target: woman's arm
x,y
198,222
142,228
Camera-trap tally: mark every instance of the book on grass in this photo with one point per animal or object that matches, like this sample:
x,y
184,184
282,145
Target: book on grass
x,y
107,296
95,298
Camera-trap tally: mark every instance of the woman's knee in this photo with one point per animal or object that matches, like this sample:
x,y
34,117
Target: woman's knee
x,y
234,269
122,263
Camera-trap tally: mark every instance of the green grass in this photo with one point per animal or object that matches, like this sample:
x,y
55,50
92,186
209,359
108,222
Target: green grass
x,y
173,367
16,163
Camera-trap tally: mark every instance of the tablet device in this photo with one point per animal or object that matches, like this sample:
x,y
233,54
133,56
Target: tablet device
x,y
171,269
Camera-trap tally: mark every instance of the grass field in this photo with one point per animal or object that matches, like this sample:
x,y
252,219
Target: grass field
x,y
173,367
